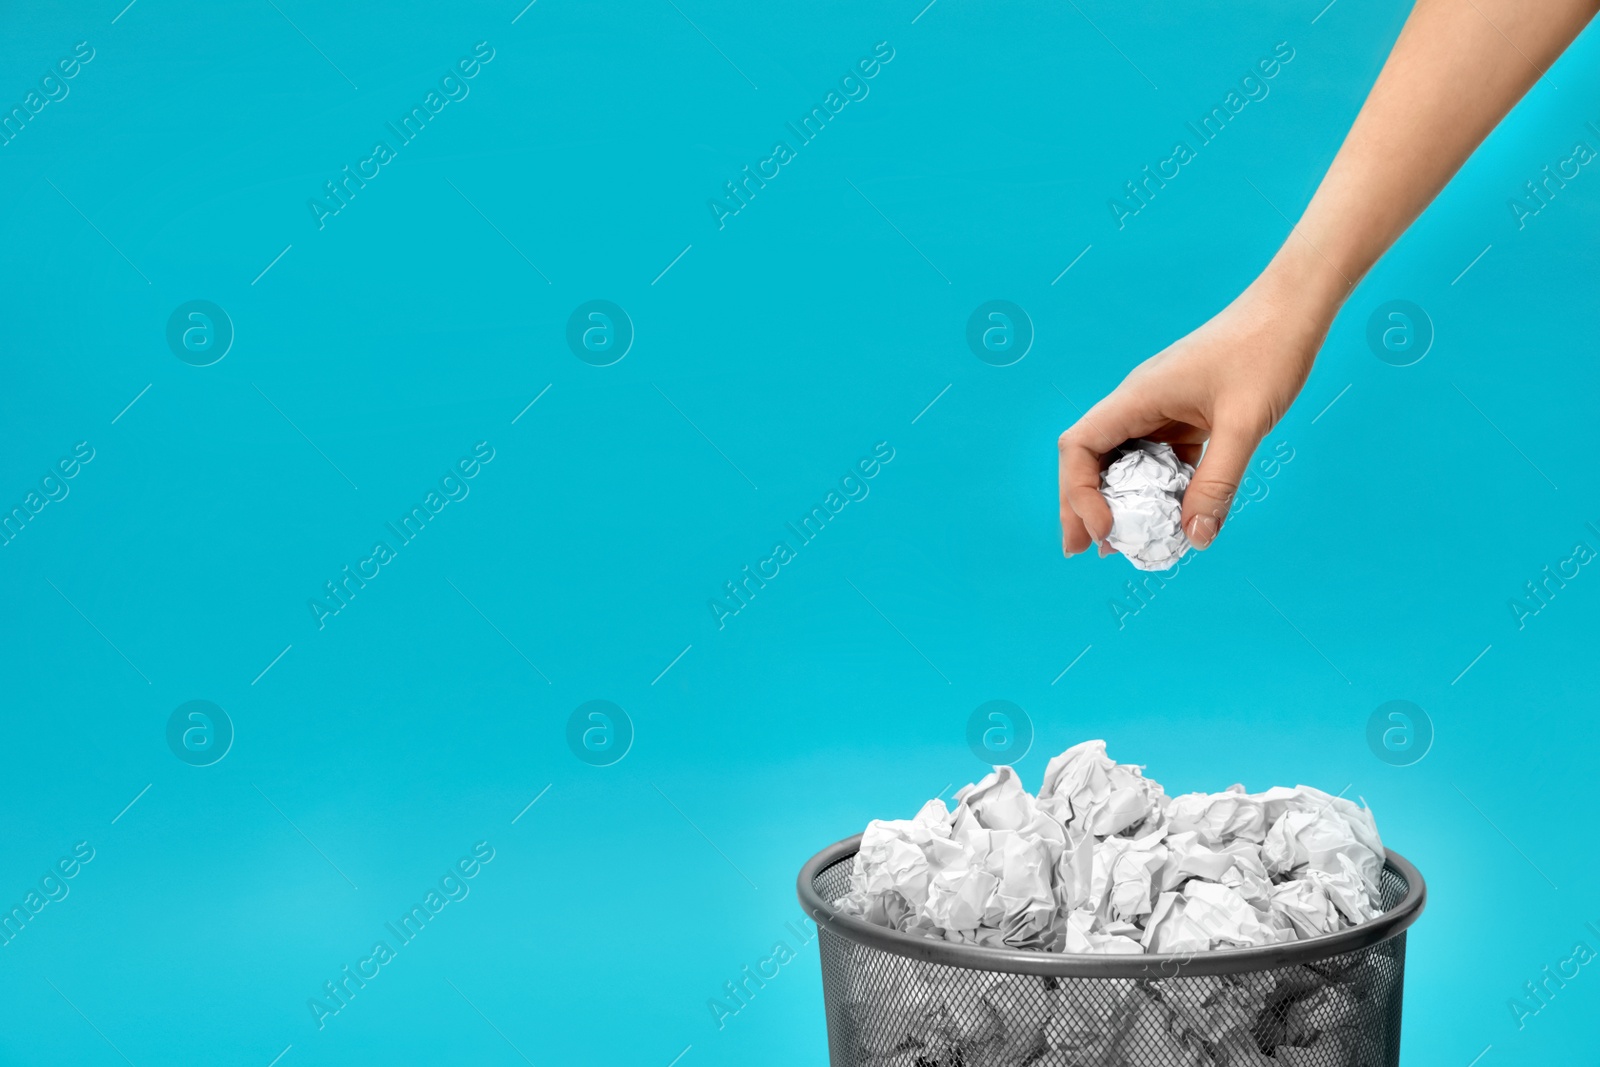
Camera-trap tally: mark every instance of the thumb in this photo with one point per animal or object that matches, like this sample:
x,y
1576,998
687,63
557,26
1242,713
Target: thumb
x,y
1215,484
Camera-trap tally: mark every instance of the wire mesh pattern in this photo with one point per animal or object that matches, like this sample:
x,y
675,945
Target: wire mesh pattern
x,y
886,1009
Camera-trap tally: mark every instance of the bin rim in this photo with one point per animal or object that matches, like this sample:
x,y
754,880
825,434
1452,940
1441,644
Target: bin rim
x,y
1077,965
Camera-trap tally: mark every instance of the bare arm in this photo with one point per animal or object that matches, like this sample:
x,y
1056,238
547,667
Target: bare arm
x,y
1457,68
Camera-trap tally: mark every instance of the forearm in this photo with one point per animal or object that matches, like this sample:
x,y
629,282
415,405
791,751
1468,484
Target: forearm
x,y
1457,68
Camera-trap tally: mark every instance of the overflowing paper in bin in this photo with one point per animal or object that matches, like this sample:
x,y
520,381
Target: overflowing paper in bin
x,y
1102,861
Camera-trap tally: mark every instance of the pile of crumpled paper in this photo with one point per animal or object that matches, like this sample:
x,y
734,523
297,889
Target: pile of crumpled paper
x,y
1103,861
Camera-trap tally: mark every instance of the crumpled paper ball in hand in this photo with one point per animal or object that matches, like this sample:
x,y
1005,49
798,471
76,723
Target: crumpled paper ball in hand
x,y
1144,489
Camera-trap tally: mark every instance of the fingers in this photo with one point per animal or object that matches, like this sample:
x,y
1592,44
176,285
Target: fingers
x,y
1085,519
1074,537
1216,482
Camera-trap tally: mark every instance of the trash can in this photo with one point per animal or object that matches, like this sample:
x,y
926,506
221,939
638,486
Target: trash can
x,y
899,1000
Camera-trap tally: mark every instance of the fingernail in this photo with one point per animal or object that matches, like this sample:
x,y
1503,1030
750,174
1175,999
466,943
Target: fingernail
x,y
1202,530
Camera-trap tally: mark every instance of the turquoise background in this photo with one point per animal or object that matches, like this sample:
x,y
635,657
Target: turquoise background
x,y
372,754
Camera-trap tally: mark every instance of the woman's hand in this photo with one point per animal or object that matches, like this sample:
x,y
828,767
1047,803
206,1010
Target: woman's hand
x,y
1228,382
1453,74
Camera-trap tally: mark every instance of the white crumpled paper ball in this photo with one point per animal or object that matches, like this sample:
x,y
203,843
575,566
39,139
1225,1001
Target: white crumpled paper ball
x,y
1144,490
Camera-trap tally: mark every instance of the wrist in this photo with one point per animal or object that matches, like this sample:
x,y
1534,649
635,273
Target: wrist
x,y
1306,284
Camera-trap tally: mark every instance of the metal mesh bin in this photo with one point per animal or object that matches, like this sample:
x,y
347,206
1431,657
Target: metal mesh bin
x,y
898,1000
